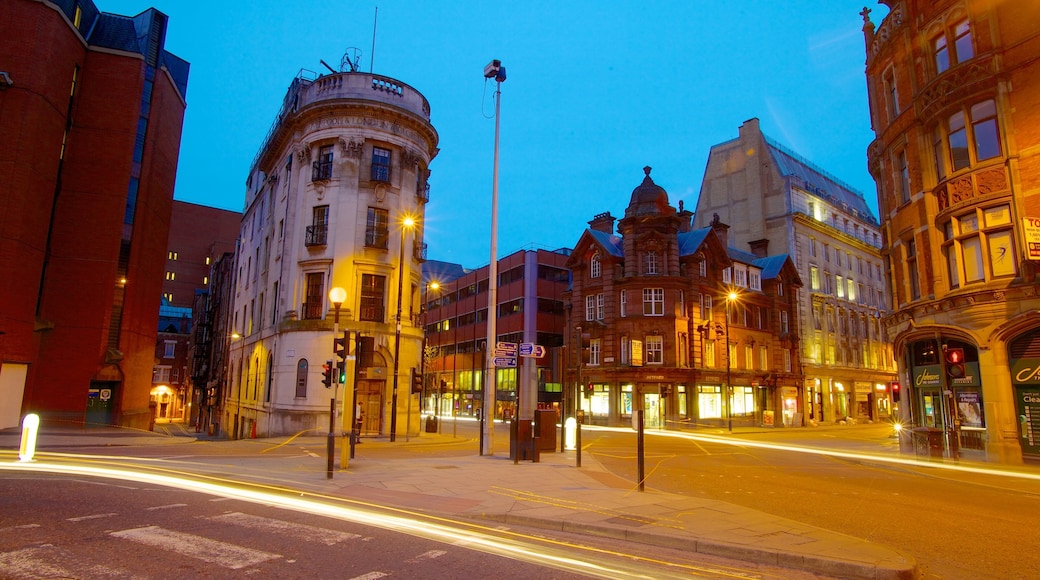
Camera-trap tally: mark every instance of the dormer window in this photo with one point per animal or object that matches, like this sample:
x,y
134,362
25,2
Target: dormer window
x,y
650,263
595,270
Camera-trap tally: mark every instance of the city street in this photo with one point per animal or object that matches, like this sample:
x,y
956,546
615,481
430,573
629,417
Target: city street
x,y
957,525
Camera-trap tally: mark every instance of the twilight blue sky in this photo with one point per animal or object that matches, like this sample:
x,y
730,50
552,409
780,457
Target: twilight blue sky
x,y
595,91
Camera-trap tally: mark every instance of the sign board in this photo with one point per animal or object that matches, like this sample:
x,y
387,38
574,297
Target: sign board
x,y
505,349
504,361
637,353
1031,228
532,350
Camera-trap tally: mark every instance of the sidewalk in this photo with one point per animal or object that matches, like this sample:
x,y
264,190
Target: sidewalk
x,y
419,474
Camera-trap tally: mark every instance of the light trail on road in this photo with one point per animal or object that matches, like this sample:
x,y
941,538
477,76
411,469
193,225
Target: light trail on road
x,y
723,440
518,546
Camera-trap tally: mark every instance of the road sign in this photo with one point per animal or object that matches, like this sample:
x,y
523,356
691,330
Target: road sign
x,y
505,349
531,349
504,361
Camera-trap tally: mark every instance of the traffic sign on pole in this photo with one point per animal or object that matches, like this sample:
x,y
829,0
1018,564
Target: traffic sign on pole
x,y
530,349
504,361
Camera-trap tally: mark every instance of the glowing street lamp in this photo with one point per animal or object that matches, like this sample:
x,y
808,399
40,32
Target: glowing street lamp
x,y
730,298
408,224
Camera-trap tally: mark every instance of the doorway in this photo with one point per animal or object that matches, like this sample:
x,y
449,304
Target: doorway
x,y
370,399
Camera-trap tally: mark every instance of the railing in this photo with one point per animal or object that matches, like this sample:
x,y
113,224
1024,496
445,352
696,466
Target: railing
x,y
423,193
312,310
376,239
381,173
420,251
320,171
317,235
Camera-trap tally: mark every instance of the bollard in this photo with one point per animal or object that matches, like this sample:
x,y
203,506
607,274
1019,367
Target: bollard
x,y
30,428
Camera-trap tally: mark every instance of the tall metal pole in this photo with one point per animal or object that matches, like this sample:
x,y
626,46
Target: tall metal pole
x,y
729,378
490,394
331,443
397,338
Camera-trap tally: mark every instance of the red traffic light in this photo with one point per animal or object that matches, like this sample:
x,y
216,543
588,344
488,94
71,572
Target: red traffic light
x,y
955,356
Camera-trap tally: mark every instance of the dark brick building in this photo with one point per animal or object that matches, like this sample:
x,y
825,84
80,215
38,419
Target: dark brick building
x,y
650,307
91,109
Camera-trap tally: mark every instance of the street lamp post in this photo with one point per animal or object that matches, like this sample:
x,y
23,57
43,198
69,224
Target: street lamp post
x,y
407,223
494,70
730,298
431,285
337,296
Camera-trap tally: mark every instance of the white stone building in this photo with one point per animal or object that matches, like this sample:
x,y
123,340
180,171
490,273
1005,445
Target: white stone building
x,y
343,166
771,196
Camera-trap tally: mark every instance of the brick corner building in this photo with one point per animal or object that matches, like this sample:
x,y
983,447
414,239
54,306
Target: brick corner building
x,y
91,109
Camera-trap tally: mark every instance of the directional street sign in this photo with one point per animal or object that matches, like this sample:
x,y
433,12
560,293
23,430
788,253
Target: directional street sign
x,y
504,361
529,349
505,349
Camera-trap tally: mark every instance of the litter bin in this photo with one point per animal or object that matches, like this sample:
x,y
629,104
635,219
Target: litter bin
x,y
928,442
545,426
521,445
431,424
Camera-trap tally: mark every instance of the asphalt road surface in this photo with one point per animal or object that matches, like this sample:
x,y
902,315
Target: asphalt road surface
x,y
956,525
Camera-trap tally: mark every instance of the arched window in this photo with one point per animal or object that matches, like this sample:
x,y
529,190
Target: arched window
x,y
595,270
301,379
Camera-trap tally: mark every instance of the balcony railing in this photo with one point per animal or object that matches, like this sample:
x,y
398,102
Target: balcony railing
x,y
423,193
376,239
320,171
317,235
381,173
312,310
420,251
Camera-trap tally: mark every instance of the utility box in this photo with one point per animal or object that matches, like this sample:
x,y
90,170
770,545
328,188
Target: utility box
x,y
928,442
545,424
521,446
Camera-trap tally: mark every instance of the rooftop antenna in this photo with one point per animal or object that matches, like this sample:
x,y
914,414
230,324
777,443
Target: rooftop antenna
x,y
349,62
372,57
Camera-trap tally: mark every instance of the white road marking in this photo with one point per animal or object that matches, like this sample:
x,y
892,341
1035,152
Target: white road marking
x,y
90,517
21,527
205,549
166,507
45,561
432,554
299,531
369,576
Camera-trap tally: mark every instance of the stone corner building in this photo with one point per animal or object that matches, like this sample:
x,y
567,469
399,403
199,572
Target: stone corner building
x,y
650,301
954,89
344,164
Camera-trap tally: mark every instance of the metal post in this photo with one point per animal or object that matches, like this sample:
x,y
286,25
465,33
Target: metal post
x,y
355,417
729,376
640,449
331,444
397,344
490,379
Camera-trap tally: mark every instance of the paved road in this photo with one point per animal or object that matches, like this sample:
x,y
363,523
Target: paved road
x,y
57,526
956,525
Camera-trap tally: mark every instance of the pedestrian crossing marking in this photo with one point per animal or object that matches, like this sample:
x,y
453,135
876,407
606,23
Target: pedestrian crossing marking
x,y
166,507
300,531
91,517
212,551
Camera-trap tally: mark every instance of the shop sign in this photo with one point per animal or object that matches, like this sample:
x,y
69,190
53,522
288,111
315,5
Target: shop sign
x,y
637,353
1025,371
789,392
928,376
1031,228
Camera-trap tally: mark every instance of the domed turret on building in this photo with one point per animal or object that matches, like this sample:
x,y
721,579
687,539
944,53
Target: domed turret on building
x,y
649,199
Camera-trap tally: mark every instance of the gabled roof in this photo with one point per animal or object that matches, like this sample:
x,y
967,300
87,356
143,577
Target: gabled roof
x,y
690,241
819,182
770,265
610,242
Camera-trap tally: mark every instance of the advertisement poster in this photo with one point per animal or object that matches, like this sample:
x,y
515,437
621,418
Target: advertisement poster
x,y
1027,403
969,409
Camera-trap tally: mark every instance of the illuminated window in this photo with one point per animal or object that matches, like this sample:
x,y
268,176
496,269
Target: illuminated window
x,y
653,301
979,246
654,350
624,303
172,256
594,350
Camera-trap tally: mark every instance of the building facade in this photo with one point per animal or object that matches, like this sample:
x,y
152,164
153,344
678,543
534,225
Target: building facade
x,y
775,199
531,285
198,236
954,89
91,109
334,199
652,310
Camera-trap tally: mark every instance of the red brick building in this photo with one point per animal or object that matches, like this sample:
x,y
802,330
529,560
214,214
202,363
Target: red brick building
x,y
954,89
198,236
91,109
651,311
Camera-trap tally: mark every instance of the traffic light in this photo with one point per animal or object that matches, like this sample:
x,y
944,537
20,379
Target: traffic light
x,y
444,386
895,392
339,348
326,374
955,363
416,382
589,390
